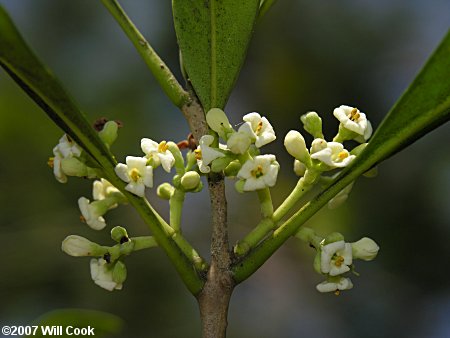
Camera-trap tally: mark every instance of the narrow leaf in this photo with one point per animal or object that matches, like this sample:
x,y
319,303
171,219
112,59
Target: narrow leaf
x,y
42,86
213,36
423,107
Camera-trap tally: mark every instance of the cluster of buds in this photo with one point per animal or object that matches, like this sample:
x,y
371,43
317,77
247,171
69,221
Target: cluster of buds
x,y
335,257
325,156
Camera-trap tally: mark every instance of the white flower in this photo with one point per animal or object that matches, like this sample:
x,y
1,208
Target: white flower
x,y
102,274
158,152
240,141
78,246
334,155
341,283
260,129
204,154
92,212
103,189
335,258
136,173
354,120
295,146
365,249
65,149
259,172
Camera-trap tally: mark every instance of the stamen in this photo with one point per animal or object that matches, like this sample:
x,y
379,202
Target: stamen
x,y
135,175
343,155
337,292
82,219
354,115
258,172
339,261
162,147
259,127
51,162
198,154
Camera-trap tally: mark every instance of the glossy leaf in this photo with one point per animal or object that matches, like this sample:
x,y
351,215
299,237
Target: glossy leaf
x,y
424,106
213,36
42,86
103,323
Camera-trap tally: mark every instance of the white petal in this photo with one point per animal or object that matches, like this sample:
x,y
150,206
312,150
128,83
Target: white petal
x,y
167,160
138,163
136,188
149,146
122,171
148,177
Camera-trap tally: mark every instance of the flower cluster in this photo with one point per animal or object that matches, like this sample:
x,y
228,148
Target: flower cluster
x,y
240,156
325,156
335,258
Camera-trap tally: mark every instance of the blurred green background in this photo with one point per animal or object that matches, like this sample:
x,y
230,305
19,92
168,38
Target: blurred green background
x,y
305,55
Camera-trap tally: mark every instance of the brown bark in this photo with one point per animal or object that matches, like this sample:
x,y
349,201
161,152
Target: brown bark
x,y
215,296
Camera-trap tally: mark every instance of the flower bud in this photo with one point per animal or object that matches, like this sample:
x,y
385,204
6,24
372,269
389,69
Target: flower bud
x,y
190,180
119,273
295,145
239,185
239,142
218,121
219,164
334,237
109,133
119,234
299,168
232,169
78,246
312,123
72,166
365,249
165,191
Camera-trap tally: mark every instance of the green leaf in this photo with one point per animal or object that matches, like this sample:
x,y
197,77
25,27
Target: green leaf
x,y
423,107
42,86
213,36
104,323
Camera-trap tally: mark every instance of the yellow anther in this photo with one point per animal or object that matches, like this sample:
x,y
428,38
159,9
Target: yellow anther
x,y
343,155
337,292
354,115
51,162
339,261
259,127
162,147
135,175
258,172
198,154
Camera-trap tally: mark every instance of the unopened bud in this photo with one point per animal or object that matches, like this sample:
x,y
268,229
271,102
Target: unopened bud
x,y
312,123
190,180
218,121
78,246
109,133
165,191
119,272
295,145
365,249
119,234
